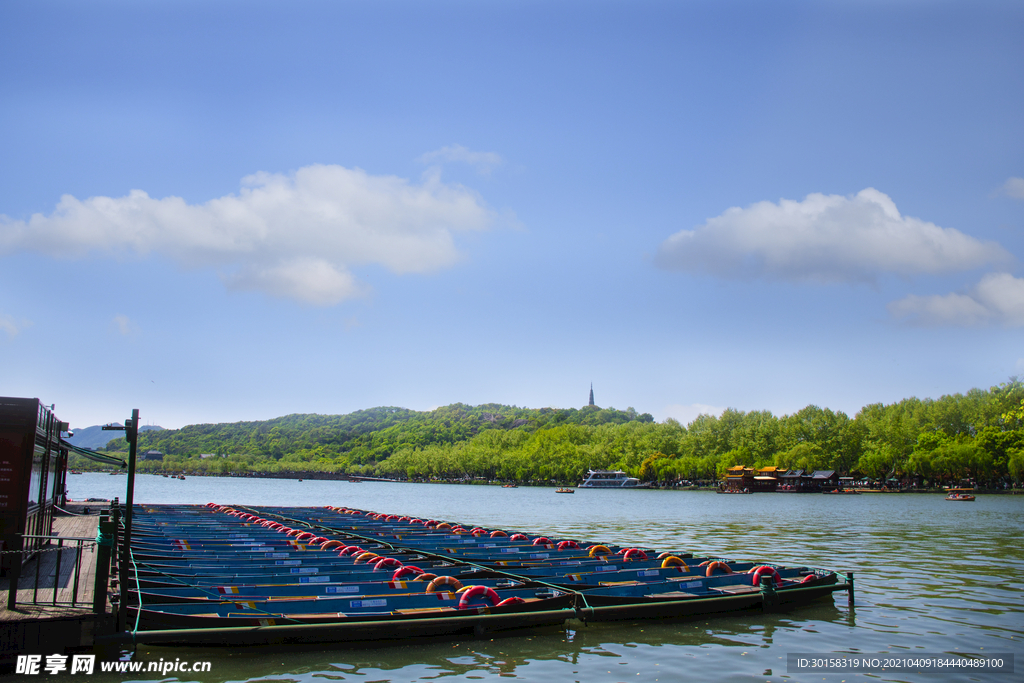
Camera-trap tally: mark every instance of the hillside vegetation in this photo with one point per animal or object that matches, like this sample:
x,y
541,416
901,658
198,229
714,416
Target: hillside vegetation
x,y
978,435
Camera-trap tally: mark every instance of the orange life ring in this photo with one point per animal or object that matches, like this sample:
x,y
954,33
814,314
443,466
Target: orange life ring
x,y
498,533
596,550
725,569
673,561
478,592
327,545
443,581
443,525
366,557
426,576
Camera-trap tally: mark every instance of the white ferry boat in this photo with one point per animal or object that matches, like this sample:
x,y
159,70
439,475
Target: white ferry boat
x,y
608,479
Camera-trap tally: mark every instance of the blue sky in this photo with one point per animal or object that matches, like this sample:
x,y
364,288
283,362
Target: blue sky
x,y
222,211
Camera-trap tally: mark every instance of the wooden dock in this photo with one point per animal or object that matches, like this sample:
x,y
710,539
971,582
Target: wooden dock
x,y
49,620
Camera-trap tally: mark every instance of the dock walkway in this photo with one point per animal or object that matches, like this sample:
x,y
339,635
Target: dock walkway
x,y
37,625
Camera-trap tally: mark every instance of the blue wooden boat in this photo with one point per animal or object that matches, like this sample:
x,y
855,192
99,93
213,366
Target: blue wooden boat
x,y
237,572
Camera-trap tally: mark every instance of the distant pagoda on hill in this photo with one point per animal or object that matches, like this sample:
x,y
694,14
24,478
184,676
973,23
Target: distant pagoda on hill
x,y
591,394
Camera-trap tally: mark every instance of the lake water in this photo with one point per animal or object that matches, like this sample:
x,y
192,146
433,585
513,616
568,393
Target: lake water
x,y
931,577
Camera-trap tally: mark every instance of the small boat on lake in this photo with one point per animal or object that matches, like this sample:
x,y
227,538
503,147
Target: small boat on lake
x,y
964,494
565,490
609,479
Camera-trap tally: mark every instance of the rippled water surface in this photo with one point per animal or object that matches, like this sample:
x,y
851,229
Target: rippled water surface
x,y
931,576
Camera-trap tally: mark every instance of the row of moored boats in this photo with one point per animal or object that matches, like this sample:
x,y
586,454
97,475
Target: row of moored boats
x,y
337,574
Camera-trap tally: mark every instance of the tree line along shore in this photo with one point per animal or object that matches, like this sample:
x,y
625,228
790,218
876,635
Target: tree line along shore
x,y
974,437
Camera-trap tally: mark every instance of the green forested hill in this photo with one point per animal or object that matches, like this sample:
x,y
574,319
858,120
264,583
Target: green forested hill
x,y
977,435
355,442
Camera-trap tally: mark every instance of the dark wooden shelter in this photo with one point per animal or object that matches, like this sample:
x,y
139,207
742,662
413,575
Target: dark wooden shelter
x,y
33,467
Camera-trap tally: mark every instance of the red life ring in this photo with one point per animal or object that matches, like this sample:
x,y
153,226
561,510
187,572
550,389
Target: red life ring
x,y
519,537
348,550
542,540
327,545
427,576
475,592
385,562
634,552
406,570
765,570
514,600
562,545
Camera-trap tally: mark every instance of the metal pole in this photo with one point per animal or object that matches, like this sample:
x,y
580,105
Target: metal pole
x,y
103,545
131,433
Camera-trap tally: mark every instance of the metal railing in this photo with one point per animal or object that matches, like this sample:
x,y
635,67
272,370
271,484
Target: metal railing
x,y
59,564
62,547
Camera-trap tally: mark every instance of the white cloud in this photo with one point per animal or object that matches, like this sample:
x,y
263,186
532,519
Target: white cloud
x,y
1013,187
483,162
997,299
292,236
11,327
686,414
124,326
824,238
